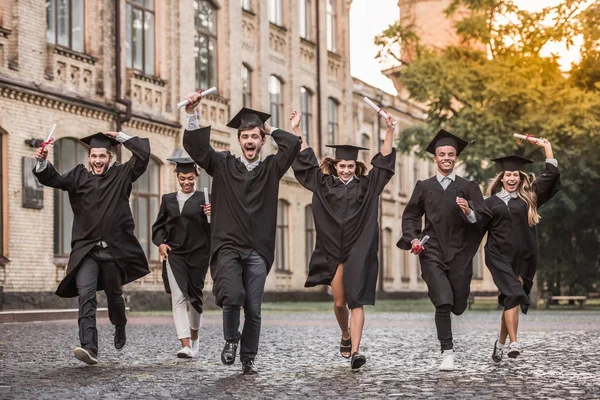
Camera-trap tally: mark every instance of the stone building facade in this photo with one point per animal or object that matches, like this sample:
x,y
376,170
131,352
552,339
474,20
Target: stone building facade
x,y
125,64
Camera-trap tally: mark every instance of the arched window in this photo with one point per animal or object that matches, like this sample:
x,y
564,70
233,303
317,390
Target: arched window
x,y
282,248
68,153
388,271
205,43
145,201
139,35
306,110
310,234
65,23
276,98
246,86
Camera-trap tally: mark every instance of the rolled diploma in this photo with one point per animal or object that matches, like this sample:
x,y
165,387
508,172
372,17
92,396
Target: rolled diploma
x,y
379,110
202,94
206,201
528,138
49,136
424,240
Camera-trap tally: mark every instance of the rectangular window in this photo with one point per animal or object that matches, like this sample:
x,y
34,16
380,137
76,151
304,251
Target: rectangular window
x,y
246,5
205,44
332,125
478,265
65,23
305,19
388,272
310,234
306,110
331,21
2,135
246,86
276,98
139,35
281,238
145,199
276,12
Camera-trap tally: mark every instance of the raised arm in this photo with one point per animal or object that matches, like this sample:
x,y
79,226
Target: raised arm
x,y
47,175
548,184
288,146
386,148
140,149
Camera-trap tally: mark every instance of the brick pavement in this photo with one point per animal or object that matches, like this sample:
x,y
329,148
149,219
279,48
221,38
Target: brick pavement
x,y
298,358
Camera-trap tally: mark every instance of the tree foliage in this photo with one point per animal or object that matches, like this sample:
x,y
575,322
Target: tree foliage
x,y
495,82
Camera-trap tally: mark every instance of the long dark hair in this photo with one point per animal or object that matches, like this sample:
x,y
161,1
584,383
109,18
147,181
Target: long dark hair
x,y
328,163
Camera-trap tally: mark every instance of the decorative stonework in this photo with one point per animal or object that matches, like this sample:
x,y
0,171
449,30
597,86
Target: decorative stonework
x,y
70,70
248,31
283,280
152,127
277,60
147,93
308,53
277,39
215,110
334,65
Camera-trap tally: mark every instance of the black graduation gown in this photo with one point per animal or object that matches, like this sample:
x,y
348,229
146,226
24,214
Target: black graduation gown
x,y
453,241
512,247
346,225
188,234
244,203
101,211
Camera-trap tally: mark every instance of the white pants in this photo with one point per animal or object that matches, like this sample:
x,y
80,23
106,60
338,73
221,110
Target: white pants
x,y
183,322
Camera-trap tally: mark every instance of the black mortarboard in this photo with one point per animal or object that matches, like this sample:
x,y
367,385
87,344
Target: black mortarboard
x,y
99,141
185,165
512,163
346,151
247,119
444,138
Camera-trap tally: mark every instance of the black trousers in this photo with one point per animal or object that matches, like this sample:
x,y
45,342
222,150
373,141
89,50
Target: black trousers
x,y
254,276
98,265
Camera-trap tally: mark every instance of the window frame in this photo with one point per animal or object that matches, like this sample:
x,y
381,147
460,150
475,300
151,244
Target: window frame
x,y
136,194
333,127
305,10
306,121
213,56
278,12
133,6
331,25
282,231
276,108
246,94
310,234
70,25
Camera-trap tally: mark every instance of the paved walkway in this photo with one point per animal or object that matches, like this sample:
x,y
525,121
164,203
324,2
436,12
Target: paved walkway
x,y
298,358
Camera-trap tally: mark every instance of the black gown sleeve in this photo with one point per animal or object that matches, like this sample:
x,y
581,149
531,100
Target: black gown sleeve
x,y
49,176
412,218
476,203
138,163
159,228
547,185
288,146
197,145
382,171
306,169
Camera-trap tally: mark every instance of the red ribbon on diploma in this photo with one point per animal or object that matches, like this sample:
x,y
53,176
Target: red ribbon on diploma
x,y
46,143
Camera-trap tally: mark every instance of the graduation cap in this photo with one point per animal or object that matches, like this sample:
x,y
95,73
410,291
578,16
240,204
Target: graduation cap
x,y
185,165
512,163
248,118
99,141
445,138
346,151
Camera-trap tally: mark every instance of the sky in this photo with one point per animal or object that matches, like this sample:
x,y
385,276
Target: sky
x,y
366,21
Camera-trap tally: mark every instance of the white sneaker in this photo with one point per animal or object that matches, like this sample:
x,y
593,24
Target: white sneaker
x,y
195,346
514,349
86,356
185,352
447,360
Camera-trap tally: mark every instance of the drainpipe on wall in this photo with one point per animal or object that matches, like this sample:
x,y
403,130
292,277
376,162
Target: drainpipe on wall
x,y
319,103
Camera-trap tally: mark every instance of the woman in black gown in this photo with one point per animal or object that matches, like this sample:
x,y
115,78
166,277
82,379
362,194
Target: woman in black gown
x,y
345,208
511,251
182,234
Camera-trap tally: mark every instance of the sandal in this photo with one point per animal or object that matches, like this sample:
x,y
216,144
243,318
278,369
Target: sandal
x,y
358,360
345,347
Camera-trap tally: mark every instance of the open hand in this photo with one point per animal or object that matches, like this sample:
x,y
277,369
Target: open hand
x,y
295,118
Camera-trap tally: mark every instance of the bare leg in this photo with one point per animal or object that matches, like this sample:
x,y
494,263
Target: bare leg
x,y
357,322
511,321
185,342
194,334
503,330
339,302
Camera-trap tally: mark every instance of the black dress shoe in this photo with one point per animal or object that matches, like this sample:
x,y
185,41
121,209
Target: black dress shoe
x,y
228,353
358,360
248,367
120,337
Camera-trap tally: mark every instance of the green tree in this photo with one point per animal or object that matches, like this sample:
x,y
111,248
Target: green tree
x,y
495,83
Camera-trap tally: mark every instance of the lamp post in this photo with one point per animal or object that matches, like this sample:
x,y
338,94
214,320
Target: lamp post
x,y
379,100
